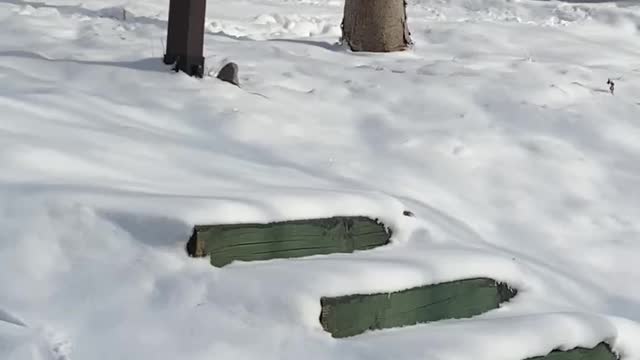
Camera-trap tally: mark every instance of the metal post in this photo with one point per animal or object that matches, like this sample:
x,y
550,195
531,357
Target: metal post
x,y
185,36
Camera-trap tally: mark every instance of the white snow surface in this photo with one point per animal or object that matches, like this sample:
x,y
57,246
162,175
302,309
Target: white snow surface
x,y
497,130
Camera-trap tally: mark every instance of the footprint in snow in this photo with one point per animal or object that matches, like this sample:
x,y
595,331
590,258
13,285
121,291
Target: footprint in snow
x,y
53,342
58,344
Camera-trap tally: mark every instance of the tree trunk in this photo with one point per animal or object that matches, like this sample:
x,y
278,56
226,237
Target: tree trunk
x,y
375,25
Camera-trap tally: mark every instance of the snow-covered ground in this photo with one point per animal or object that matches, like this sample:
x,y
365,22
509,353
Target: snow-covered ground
x,y
497,131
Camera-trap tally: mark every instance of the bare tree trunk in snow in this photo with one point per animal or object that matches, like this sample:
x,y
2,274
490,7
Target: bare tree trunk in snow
x,y
375,25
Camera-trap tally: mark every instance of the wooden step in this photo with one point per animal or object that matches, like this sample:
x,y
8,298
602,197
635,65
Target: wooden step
x,y
601,352
354,314
288,239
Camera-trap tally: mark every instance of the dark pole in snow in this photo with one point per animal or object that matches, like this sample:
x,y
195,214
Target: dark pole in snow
x,y
185,36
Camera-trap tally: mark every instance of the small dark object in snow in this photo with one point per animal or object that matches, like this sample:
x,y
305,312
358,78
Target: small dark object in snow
x,y
612,85
229,73
408,213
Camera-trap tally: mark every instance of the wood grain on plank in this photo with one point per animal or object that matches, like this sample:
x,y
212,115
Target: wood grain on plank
x,y
289,239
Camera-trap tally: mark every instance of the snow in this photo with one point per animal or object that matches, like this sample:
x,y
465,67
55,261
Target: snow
x,y
497,131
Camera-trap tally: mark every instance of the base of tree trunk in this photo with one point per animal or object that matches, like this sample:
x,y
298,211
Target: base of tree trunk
x,y
376,25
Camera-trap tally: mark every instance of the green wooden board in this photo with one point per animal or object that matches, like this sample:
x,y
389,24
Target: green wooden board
x,y
354,314
289,239
601,352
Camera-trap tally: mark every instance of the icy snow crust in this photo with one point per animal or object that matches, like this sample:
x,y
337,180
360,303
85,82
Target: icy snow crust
x,y
497,131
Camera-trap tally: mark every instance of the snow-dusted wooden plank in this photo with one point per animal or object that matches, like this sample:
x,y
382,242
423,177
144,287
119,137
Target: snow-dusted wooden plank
x,y
354,314
289,239
601,352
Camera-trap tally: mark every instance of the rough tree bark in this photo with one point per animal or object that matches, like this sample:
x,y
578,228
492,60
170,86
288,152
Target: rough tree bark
x,y
375,25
